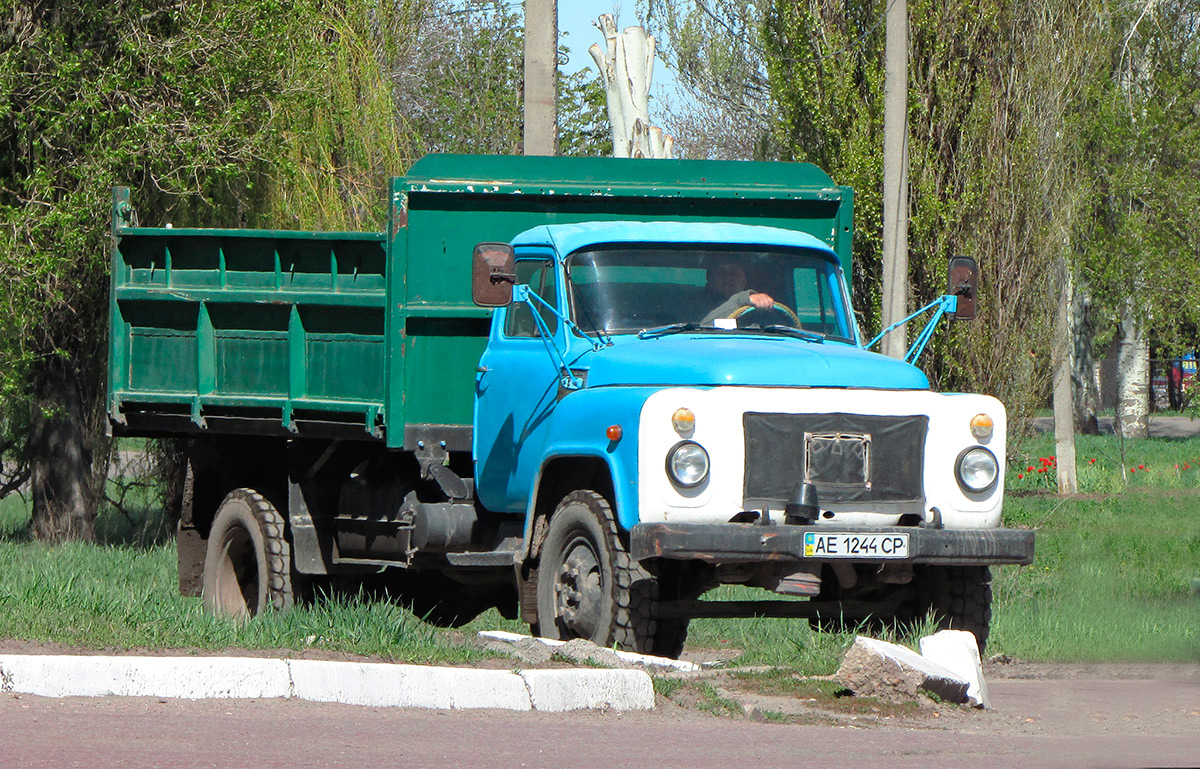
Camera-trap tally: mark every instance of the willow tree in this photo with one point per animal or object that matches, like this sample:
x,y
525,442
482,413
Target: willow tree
x,y
243,112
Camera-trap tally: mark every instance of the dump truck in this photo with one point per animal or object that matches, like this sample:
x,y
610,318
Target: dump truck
x,y
585,391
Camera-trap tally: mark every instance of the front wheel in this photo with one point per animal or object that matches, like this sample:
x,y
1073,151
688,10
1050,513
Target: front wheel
x,y
248,563
589,587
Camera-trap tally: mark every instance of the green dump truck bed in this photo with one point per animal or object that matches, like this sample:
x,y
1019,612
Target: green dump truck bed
x,y
373,335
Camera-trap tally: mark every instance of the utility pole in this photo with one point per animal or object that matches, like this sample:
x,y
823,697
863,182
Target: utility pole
x,y
541,76
895,177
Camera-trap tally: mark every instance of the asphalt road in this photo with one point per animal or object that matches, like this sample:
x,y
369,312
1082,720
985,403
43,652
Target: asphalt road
x,y
1077,721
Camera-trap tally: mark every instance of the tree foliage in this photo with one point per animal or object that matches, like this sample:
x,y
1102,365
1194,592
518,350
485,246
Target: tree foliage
x,y
716,51
1040,135
1139,132
237,112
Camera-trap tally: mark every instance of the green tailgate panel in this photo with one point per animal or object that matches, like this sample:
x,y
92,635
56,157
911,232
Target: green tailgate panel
x,y
255,331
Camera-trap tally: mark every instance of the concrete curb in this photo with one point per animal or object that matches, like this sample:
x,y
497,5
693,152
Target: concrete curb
x,y
353,683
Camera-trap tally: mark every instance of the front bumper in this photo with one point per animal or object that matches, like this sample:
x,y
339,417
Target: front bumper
x,y
749,543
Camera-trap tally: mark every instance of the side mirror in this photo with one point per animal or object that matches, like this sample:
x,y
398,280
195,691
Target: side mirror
x,y
961,283
492,274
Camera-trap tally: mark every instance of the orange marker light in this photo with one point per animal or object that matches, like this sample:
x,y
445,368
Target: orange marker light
x,y
684,421
981,427
614,432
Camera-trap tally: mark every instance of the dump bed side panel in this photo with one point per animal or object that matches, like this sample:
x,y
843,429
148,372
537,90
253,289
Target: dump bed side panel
x,y
251,331
446,204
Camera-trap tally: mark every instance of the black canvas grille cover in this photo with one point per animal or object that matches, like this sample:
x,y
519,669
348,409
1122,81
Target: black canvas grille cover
x,y
848,457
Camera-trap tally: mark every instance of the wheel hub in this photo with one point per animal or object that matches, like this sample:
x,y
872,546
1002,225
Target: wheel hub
x,y
578,590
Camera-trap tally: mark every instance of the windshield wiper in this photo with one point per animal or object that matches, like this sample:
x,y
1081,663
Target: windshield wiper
x,y
670,328
799,333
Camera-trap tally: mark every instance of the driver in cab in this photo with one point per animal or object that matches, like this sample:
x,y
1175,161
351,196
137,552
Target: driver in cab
x,y
725,283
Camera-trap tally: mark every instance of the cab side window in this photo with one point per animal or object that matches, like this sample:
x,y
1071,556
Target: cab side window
x,y
539,274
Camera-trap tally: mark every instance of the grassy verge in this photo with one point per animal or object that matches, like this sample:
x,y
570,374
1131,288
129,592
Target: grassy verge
x,y
1113,580
120,598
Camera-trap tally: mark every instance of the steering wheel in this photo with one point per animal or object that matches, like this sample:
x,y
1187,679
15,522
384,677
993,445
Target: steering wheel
x,y
782,308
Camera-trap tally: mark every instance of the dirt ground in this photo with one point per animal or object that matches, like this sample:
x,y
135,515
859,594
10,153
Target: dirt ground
x,y
1028,699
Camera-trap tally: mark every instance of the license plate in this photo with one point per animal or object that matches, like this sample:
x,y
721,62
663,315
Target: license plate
x,y
846,545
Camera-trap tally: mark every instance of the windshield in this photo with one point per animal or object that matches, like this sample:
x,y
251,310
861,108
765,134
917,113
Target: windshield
x,y
626,289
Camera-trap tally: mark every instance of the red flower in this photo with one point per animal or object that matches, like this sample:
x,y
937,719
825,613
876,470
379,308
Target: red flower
x,y
1029,469
1141,467
1041,469
1092,461
1133,469
1186,466
1020,476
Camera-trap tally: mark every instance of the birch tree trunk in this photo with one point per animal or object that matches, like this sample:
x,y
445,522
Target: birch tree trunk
x,y
627,67
1133,375
1064,412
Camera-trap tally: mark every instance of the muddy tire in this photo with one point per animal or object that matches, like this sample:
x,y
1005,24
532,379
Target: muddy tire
x,y
960,598
248,563
589,587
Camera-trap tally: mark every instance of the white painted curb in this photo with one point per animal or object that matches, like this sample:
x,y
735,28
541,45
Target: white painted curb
x,y
185,678
558,690
354,683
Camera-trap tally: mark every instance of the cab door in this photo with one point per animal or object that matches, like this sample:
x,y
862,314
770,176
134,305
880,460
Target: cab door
x,y
516,389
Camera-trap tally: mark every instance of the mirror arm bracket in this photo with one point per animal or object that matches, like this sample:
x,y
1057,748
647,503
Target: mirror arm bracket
x,y
941,306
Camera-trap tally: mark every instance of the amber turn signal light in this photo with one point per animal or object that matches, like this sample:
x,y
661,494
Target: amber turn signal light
x,y
614,432
981,427
684,421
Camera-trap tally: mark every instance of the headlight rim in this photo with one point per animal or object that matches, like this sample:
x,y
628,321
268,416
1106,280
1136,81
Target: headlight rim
x,y
671,474
958,471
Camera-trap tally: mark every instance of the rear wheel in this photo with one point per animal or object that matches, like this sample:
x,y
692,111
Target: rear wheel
x,y
248,563
589,587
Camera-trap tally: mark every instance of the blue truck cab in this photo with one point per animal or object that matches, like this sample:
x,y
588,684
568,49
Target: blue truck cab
x,y
690,432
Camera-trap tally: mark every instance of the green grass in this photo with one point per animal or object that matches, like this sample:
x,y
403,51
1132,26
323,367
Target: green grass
x,y
14,518
120,597
1113,580
700,695
1104,466
782,642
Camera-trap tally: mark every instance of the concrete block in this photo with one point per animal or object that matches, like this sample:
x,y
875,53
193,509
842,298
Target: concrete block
x,y
176,677
645,660
958,652
559,690
876,668
413,686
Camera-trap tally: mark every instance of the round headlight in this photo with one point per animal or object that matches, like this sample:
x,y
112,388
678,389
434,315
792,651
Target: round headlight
x,y
977,469
687,463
